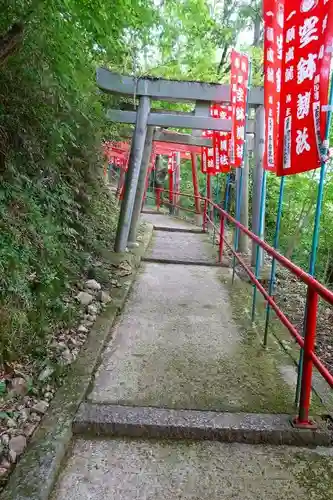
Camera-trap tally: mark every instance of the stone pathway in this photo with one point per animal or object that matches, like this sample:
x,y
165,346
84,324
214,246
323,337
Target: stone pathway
x,y
177,345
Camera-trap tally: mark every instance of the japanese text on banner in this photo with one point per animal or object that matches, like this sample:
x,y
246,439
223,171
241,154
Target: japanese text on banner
x,y
307,32
171,163
239,84
221,140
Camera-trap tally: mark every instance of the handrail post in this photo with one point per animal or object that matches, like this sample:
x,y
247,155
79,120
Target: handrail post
x,y
204,218
309,344
221,237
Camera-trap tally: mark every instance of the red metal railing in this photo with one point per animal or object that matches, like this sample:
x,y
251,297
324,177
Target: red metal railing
x,y
315,290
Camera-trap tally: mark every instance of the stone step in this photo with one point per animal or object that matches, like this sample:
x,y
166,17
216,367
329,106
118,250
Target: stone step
x,y
148,422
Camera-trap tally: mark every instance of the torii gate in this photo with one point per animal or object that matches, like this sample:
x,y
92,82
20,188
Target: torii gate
x,y
148,89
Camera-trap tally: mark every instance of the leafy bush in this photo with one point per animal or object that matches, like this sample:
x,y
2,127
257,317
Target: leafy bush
x,y
55,212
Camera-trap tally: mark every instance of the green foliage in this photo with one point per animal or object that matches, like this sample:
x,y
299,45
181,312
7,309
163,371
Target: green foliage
x,y
56,214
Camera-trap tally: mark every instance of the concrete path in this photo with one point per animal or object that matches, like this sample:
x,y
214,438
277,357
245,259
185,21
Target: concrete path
x,y
121,469
177,345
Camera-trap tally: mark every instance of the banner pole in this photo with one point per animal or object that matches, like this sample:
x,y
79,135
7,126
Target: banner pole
x,y
275,245
261,228
315,236
240,190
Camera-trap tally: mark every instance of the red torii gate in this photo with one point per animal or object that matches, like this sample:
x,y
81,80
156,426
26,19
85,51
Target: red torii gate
x,y
118,151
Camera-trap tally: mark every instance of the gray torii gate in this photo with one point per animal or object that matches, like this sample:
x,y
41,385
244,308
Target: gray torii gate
x,y
145,120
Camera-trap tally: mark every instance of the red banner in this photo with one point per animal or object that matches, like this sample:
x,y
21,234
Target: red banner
x,y
216,159
221,140
307,32
239,84
273,45
207,156
171,163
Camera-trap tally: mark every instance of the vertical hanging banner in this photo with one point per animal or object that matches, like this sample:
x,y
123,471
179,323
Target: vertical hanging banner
x,y
239,84
221,140
207,155
307,35
273,55
171,163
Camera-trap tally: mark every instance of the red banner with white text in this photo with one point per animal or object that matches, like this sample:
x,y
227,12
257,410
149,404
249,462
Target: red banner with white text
x,y
307,33
216,159
207,155
239,88
171,163
221,140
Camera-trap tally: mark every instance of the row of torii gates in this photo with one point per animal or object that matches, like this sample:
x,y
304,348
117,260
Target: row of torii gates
x,y
149,124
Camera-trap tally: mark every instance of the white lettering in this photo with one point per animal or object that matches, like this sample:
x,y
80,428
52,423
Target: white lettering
x,y
270,34
240,115
301,141
270,75
303,105
306,68
308,30
270,55
291,33
290,54
224,160
239,151
240,132
289,75
279,43
240,94
278,80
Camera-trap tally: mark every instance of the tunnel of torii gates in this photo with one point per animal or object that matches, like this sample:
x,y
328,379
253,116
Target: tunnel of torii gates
x,y
185,147
149,139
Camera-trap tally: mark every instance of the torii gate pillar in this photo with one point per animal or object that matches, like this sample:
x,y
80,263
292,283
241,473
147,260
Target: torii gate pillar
x,y
133,172
141,188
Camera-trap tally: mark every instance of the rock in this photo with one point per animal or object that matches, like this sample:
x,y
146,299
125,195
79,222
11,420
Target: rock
x,y
61,346
66,357
27,401
5,439
103,297
40,407
72,341
3,472
24,414
92,309
48,396
75,353
91,317
84,298
11,423
82,329
29,429
93,285
12,456
46,373
17,444
19,386
34,417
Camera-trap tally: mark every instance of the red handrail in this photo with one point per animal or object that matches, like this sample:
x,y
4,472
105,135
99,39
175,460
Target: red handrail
x,y
315,289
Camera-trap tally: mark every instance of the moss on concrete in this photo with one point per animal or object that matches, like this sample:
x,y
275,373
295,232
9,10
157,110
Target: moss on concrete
x,y
313,471
240,294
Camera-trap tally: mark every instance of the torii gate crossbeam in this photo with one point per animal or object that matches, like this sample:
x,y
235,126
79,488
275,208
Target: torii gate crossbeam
x,y
147,89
